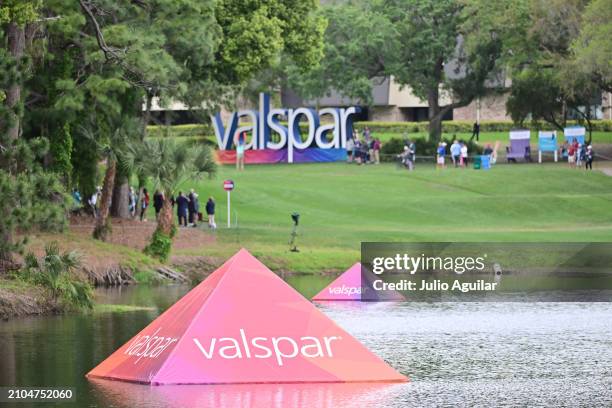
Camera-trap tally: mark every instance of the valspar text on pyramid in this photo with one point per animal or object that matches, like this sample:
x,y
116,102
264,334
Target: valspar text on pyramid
x,y
357,284
243,324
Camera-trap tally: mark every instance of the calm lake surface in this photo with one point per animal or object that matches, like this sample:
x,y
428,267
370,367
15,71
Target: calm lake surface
x,y
456,354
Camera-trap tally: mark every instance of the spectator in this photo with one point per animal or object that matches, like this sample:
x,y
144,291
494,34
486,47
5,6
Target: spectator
x,y
376,148
488,150
589,158
240,143
145,204
441,152
366,134
455,150
571,155
580,157
76,198
93,202
408,156
132,202
191,207
464,155
350,146
357,153
158,202
476,131
365,152
181,208
210,212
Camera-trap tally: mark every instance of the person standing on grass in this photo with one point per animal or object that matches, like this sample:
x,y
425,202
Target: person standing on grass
x,y
376,148
476,131
464,154
366,134
350,145
196,209
571,155
588,160
158,202
145,204
210,212
455,151
181,208
357,150
581,155
240,143
441,152
191,207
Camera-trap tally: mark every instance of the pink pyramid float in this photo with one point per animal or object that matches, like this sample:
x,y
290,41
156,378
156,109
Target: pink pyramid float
x,y
357,285
243,324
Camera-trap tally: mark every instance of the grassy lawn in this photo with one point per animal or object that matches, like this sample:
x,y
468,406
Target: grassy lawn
x,y
342,205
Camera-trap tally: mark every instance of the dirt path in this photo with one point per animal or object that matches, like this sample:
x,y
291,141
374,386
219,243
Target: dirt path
x,y
136,234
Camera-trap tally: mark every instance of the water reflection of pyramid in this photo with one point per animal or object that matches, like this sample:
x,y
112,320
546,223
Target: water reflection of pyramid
x,y
243,324
357,285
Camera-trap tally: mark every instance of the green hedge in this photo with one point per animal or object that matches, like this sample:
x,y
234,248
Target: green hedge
x,y
457,126
201,130
394,146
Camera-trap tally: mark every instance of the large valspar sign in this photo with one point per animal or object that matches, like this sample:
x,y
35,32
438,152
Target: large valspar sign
x,y
325,139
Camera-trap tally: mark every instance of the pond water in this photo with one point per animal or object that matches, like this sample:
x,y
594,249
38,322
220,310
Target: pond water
x,y
456,354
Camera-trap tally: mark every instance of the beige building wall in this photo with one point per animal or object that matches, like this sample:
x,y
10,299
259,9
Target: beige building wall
x,y
491,108
404,98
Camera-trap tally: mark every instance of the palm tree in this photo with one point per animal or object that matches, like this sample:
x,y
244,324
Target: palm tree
x,y
111,147
55,271
168,164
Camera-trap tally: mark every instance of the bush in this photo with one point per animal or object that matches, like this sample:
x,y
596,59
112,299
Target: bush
x,y
206,131
424,147
55,272
193,130
457,126
160,245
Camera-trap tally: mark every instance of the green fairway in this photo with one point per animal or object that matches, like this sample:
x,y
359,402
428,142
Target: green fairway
x,y
342,205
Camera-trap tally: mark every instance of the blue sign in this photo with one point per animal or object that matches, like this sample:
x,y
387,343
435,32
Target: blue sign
x,y
547,141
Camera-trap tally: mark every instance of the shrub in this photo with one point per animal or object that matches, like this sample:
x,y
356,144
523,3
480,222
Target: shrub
x,y
55,272
160,245
424,147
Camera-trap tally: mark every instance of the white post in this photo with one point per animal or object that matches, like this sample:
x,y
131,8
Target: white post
x,y
539,156
555,155
229,220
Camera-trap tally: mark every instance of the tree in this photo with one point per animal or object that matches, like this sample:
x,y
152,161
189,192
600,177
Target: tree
x,y
549,81
423,44
168,164
592,48
112,140
30,197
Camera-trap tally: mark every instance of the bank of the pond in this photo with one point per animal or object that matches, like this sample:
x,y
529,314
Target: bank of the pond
x,y
20,299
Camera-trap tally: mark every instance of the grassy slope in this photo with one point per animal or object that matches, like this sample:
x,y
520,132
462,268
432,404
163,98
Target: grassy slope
x,y
342,205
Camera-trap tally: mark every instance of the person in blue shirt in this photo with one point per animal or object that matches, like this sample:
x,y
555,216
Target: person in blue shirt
x,y
455,150
441,153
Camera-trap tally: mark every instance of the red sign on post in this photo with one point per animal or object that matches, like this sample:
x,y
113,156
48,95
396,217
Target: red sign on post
x,y
228,185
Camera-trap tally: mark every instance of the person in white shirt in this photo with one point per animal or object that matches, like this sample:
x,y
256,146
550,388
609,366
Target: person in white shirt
x,y
464,155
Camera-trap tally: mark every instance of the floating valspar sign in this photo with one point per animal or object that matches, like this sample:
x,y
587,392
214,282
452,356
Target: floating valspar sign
x,y
244,324
272,142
